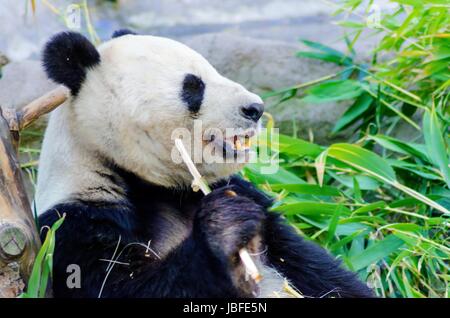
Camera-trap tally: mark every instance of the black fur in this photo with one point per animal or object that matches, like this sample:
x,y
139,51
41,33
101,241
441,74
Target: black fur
x,y
223,225
89,236
199,266
121,32
192,92
67,57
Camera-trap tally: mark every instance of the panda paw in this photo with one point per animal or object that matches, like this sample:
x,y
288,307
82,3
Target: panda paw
x,y
230,221
247,189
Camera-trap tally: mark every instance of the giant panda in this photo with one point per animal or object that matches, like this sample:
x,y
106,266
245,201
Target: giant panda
x,y
133,225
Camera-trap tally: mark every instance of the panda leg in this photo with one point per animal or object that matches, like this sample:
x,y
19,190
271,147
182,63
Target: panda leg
x,y
307,266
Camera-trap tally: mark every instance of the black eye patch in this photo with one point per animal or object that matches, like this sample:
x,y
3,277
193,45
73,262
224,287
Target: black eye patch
x,y
193,91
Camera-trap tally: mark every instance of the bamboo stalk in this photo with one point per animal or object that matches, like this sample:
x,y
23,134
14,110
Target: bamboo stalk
x,y
200,183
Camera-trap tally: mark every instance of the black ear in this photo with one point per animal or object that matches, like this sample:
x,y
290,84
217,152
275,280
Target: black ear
x,y
121,32
67,57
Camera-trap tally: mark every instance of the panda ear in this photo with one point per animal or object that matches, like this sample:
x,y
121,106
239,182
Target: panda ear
x,y
67,57
121,32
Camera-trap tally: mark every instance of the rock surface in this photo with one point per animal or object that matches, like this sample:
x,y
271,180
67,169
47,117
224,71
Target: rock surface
x,y
23,82
23,32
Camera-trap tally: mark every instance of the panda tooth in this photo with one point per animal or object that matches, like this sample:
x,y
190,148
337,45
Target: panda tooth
x,y
247,142
237,144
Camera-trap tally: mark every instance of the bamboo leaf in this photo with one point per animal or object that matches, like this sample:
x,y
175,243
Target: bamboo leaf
x,y
415,150
310,208
307,189
342,242
326,57
333,91
435,143
376,252
370,207
252,172
42,268
295,146
354,112
320,166
372,164
321,47
362,159
333,224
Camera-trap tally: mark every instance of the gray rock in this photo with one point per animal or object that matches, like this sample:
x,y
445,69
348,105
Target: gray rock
x,y
23,82
266,65
24,32
285,20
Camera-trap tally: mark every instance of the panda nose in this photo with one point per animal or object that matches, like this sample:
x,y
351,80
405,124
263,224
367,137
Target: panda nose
x,y
253,111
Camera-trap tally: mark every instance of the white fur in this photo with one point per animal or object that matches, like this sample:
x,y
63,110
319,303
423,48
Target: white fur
x,y
126,110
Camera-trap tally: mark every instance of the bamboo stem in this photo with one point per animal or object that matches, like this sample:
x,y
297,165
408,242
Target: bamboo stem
x,y
250,266
198,182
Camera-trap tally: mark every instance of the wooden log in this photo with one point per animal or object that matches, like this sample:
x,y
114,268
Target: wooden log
x,y
19,239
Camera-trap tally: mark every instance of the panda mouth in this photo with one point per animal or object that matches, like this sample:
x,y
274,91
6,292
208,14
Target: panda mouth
x,y
234,145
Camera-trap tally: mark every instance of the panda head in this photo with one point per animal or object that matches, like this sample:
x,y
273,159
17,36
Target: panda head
x,y
133,94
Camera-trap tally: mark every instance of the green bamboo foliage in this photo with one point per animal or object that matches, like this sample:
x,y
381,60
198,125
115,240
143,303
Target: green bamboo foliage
x,y
379,203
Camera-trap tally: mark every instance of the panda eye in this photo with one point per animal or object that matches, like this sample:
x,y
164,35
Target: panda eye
x,y
192,92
